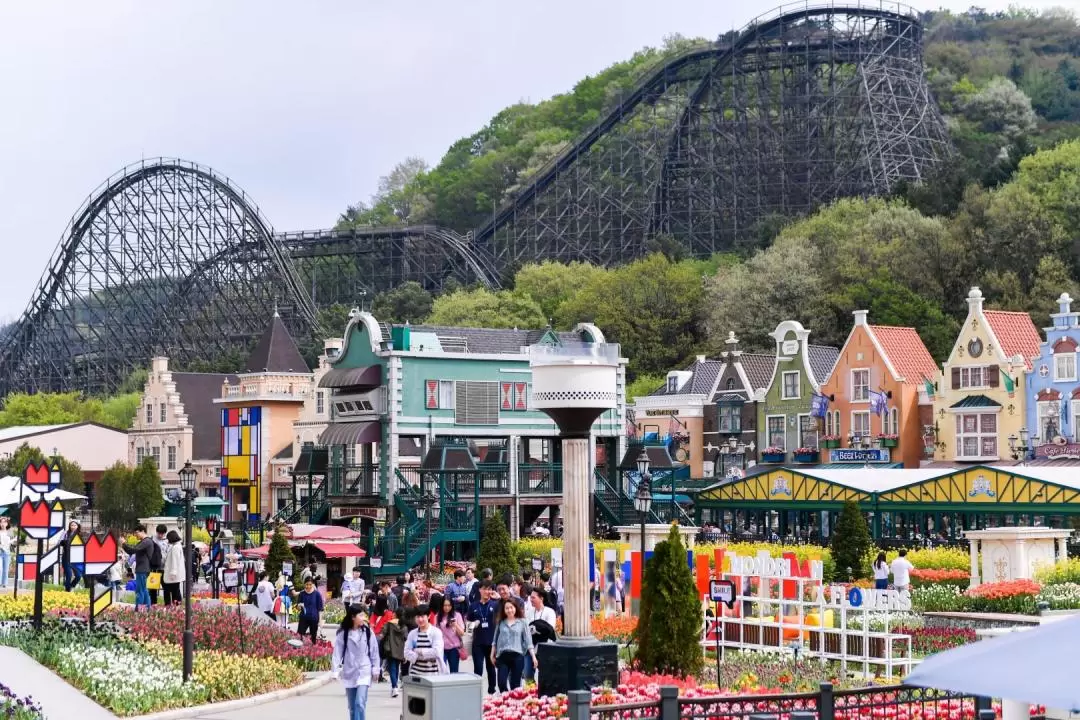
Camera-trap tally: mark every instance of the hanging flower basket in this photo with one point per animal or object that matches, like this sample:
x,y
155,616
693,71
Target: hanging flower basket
x,y
830,441
888,441
806,455
773,455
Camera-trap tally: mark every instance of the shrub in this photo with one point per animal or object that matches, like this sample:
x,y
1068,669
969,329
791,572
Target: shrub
x,y
1067,571
278,554
851,542
495,547
669,628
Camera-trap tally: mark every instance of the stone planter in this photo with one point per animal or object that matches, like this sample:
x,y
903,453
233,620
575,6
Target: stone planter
x,y
772,457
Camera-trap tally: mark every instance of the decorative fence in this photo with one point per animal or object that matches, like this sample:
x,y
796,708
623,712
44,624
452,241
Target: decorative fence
x,y
881,703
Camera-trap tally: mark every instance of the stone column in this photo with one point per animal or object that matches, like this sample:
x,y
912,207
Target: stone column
x,y
1021,568
512,480
974,552
1062,550
576,537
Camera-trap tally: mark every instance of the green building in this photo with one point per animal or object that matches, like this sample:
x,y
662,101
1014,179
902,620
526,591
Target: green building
x,y
432,428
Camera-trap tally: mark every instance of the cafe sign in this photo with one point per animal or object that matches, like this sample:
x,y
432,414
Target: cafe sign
x,y
1053,450
852,455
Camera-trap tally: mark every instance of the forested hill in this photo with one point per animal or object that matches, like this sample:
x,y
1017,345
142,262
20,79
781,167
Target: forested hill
x,y
1040,53
1004,214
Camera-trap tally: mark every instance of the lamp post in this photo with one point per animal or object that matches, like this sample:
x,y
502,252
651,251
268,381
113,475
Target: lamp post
x,y
643,503
1019,446
574,385
188,474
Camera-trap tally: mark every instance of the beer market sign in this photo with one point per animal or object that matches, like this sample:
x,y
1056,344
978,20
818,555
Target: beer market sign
x,y
849,455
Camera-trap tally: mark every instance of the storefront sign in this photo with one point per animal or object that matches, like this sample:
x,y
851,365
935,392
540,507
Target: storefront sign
x,y
340,513
850,455
1053,450
661,413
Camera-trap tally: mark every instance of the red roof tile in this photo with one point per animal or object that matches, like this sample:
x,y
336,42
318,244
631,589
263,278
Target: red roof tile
x,y
1015,332
905,350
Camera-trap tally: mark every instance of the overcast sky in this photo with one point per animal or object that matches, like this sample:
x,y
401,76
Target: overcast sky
x,y
303,104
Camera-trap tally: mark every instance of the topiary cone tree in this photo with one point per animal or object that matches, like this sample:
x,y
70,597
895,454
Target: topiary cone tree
x,y
851,542
495,551
278,554
668,633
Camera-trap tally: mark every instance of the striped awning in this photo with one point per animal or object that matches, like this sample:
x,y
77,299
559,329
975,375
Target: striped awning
x,y
369,376
351,433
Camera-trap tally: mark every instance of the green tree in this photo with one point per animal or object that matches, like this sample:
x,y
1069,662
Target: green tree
x,y
146,495
24,455
668,632
72,478
495,551
119,411
124,495
851,542
407,303
643,385
484,308
891,303
279,553
552,283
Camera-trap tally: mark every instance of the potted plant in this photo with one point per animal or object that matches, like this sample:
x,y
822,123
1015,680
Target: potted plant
x,y
830,441
806,455
888,441
772,454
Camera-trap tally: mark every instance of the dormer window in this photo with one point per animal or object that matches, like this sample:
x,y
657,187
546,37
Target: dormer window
x,y
1065,367
673,383
730,384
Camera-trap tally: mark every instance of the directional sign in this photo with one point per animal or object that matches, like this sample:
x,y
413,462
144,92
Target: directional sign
x,y
31,568
722,591
42,478
99,554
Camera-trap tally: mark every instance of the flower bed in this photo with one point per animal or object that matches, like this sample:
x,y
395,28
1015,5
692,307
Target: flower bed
x,y
615,629
929,640
218,627
1060,573
921,577
1013,596
17,608
1063,596
13,707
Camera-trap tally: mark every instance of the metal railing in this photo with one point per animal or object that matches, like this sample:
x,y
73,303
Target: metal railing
x,y
540,479
826,704
349,480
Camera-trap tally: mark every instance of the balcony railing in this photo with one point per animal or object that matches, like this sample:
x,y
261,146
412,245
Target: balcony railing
x,y
540,479
292,391
352,480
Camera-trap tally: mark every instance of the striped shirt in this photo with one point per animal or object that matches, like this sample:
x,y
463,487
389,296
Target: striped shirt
x,y
424,665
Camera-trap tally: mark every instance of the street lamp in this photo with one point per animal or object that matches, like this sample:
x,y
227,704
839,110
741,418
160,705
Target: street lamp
x,y
1019,449
188,474
574,385
643,503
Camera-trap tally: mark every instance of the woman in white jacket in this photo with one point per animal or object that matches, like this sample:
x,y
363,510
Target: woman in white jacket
x,y
424,647
356,659
172,580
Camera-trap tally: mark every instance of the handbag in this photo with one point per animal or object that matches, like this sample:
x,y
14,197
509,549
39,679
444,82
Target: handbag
x,y
463,653
153,581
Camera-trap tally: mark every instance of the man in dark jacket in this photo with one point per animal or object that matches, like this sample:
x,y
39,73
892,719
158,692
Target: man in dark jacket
x,y
157,560
143,551
483,613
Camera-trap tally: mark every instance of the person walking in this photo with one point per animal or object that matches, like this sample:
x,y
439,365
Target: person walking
x,y
901,571
881,572
71,573
352,588
356,659
392,639
175,570
7,545
541,621
512,642
482,612
452,626
142,550
424,647
265,594
157,561
311,607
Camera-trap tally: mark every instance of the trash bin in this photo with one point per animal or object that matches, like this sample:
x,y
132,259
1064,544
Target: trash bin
x,y
460,697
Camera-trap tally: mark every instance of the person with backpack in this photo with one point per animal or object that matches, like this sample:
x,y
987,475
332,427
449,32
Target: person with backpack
x,y
356,659
157,560
142,551
392,639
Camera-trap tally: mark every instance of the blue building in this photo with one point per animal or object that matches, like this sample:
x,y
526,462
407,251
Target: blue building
x,y
1053,388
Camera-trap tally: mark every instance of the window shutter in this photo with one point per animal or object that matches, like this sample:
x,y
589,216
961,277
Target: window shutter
x,y
521,396
956,378
432,394
507,396
993,375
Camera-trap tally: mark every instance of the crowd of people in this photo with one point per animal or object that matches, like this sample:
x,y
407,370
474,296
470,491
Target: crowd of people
x,y
493,623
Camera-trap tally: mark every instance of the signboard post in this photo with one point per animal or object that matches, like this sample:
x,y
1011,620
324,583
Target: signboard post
x,y
721,592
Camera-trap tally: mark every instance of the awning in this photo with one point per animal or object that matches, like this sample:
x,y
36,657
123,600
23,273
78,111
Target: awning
x,y
340,550
312,461
354,433
369,376
975,401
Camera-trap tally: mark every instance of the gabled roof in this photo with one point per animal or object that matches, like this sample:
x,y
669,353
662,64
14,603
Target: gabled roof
x,y
197,392
1015,333
701,382
759,369
906,352
975,401
822,359
276,352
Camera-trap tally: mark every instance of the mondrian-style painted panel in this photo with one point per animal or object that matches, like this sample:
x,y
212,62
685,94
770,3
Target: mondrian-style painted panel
x,y
241,430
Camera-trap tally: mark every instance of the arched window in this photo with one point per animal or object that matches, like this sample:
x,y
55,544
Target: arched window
x,y
730,384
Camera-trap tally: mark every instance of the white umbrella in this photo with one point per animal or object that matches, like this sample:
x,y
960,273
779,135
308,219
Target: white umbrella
x,y
10,493
1031,666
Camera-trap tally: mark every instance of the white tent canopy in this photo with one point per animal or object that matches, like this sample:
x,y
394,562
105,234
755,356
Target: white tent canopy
x,y
10,493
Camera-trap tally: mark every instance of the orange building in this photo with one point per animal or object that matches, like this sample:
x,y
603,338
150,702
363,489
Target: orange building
x,y
877,359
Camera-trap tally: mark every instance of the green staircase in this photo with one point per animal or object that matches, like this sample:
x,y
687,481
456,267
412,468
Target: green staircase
x,y
617,506
449,511
315,508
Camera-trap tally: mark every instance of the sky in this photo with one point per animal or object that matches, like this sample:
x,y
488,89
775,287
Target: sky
x,y
304,105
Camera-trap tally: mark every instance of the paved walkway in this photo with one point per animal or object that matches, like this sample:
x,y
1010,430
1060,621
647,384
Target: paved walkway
x,y
325,703
59,700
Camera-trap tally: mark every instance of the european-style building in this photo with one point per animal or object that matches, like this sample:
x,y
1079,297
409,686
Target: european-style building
x,y
1053,389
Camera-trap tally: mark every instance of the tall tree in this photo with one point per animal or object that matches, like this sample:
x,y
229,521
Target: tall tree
x,y
552,283
851,542
483,308
407,303
668,633
495,551
124,495
278,554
